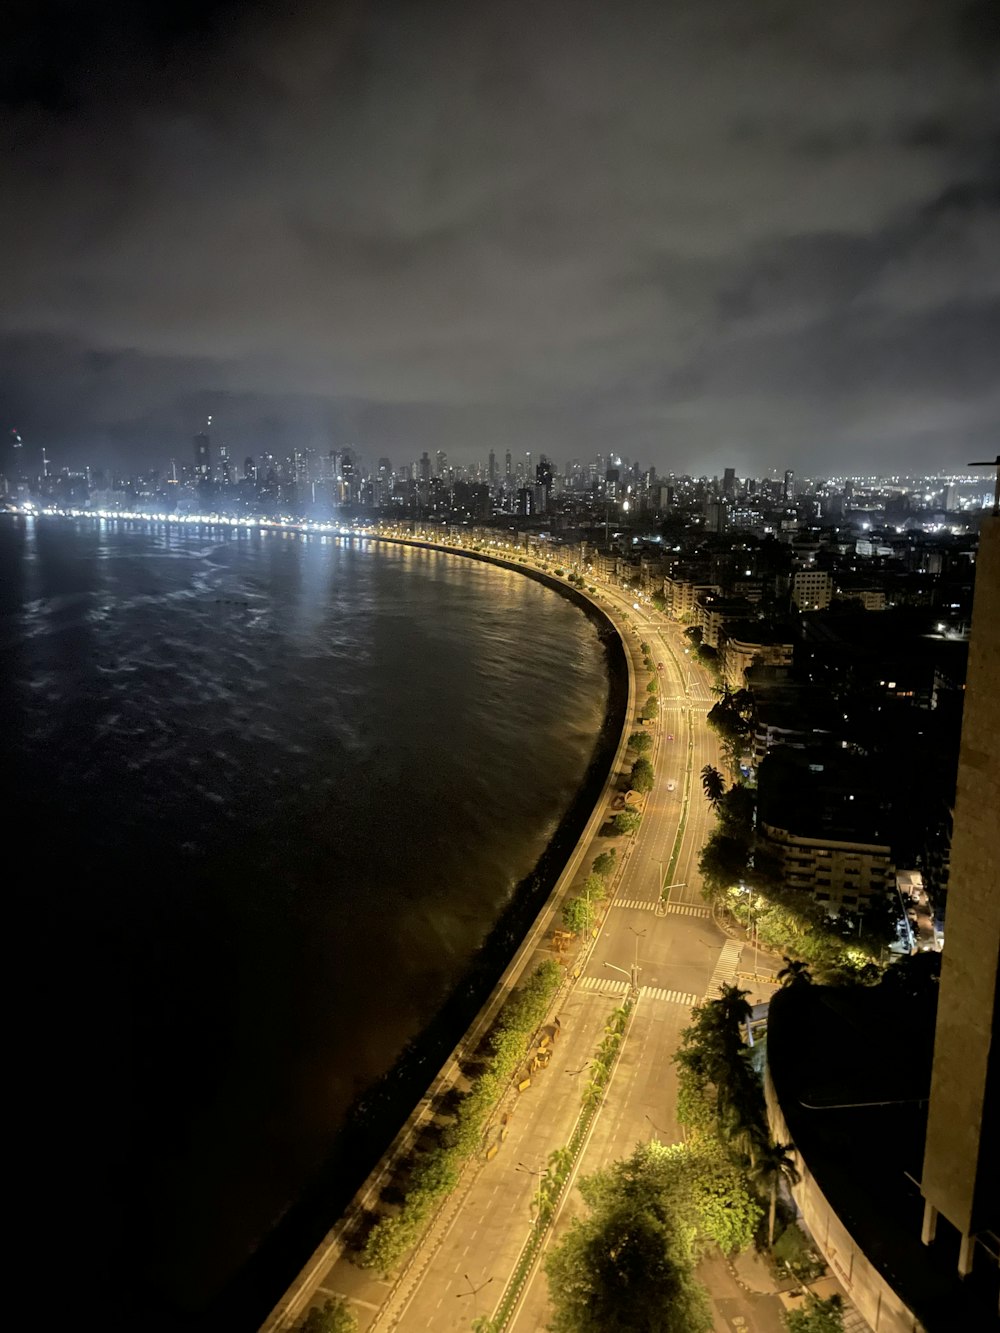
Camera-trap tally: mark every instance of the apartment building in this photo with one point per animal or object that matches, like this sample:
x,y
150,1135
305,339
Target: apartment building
x,y
744,644
826,822
812,589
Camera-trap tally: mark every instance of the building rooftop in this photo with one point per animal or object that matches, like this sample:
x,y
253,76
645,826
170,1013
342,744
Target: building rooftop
x,y
851,1070
760,631
824,794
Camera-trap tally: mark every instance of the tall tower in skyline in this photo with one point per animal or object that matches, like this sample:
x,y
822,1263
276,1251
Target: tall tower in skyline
x,y
789,488
202,459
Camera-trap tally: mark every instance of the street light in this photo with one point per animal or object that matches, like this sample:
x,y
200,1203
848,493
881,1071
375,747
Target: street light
x,y
632,975
473,1291
639,934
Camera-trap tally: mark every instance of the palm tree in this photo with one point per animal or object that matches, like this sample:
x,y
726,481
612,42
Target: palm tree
x,y
772,1166
795,973
733,1007
713,784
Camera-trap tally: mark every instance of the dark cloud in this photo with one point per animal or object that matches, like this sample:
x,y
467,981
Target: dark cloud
x,y
689,232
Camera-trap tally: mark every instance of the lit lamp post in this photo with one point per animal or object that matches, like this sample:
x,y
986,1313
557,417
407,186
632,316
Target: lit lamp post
x,y
633,975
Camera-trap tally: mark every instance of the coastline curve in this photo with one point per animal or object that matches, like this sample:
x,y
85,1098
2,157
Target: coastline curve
x,y
508,949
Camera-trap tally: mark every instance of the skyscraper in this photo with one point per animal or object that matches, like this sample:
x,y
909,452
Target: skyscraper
x,y
729,483
492,473
789,490
202,459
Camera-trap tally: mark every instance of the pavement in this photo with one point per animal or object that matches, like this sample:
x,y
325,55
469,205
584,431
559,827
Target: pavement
x,y
679,956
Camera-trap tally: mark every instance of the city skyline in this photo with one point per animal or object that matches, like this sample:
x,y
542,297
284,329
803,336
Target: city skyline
x,y
574,232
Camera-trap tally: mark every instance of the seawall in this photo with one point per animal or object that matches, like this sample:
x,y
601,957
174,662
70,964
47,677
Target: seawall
x,y
460,1024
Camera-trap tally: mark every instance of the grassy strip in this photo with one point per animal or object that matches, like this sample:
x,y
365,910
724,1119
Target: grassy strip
x,y
436,1172
561,1164
679,838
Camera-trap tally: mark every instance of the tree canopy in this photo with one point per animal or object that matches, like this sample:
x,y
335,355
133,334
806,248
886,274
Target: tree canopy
x,y
730,719
628,1266
334,1316
817,1316
713,784
641,777
604,865
627,821
640,741
576,915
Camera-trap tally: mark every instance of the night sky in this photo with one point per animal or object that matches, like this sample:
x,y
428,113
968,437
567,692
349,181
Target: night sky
x,y
759,233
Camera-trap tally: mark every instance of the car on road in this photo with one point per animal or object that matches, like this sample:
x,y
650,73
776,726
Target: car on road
x,y
659,666
670,737
671,785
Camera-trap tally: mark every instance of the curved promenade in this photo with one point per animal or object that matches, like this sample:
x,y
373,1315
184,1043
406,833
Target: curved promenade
x,y
622,704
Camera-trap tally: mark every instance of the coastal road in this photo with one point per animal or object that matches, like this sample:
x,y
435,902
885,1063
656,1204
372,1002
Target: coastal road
x,y
678,954
681,955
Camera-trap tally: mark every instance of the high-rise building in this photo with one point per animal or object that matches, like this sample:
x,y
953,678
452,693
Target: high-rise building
x,y
249,469
729,483
225,470
789,488
441,459
507,467
425,466
543,474
202,459
492,471
812,589
961,1170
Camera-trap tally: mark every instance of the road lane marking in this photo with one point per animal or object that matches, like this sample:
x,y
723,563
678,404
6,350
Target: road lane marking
x,y
687,909
725,968
674,996
603,984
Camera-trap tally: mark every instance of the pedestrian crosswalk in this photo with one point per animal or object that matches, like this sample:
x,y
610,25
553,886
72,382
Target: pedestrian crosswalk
x,y
615,987
725,968
605,985
648,905
674,996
